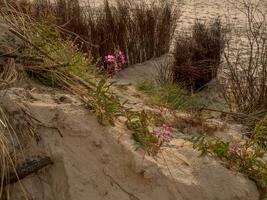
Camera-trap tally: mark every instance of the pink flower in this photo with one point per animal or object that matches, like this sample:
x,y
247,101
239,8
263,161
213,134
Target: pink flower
x,y
120,57
110,58
163,133
233,149
115,62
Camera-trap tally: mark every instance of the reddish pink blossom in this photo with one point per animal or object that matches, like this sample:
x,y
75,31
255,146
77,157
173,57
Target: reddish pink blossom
x,y
110,58
233,149
163,133
114,63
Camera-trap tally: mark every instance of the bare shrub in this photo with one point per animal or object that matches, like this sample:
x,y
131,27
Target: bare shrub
x,y
245,74
198,56
141,31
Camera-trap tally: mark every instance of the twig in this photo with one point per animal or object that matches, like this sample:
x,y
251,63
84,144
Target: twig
x,y
241,115
44,68
39,123
81,81
78,36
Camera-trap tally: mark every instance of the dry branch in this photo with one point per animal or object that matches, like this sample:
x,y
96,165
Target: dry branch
x,y
240,115
29,167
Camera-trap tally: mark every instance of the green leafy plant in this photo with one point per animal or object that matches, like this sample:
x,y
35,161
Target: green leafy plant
x,y
138,123
260,133
104,103
208,145
65,66
247,158
63,61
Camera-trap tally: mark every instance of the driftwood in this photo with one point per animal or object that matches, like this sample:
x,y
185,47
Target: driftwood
x,y
29,167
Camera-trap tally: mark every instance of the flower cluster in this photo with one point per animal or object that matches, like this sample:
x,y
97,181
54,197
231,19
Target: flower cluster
x,y
163,133
233,149
120,57
115,62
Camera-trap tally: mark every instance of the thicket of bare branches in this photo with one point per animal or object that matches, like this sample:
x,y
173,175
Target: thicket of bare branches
x,y
198,56
140,30
245,73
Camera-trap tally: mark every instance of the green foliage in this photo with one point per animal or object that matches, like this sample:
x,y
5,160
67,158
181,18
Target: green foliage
x,y
47,37
105,104
147,86
260,133
98,96
174,96
170,95
209,145
246,158
138,123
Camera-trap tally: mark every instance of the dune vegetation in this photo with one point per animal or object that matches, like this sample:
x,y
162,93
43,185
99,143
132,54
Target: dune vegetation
x,y
82,49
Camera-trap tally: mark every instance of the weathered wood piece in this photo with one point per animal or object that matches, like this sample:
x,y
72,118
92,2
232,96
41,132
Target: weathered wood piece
x,y
29,167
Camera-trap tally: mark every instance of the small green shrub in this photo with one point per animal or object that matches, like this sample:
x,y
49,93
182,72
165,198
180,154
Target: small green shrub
x,y
247,158
260,133
66,58
105,104
150,141
138,123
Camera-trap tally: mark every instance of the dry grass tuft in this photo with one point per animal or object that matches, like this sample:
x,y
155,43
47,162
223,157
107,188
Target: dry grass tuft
x,y
10,148
141,31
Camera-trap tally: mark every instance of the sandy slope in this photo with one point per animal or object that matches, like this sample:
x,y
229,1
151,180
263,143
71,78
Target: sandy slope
x,y
92,162
101,163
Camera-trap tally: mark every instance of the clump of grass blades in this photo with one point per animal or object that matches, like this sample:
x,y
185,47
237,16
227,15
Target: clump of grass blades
x,y
9,143
167,94
64,65
140,30
198,56
75,73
